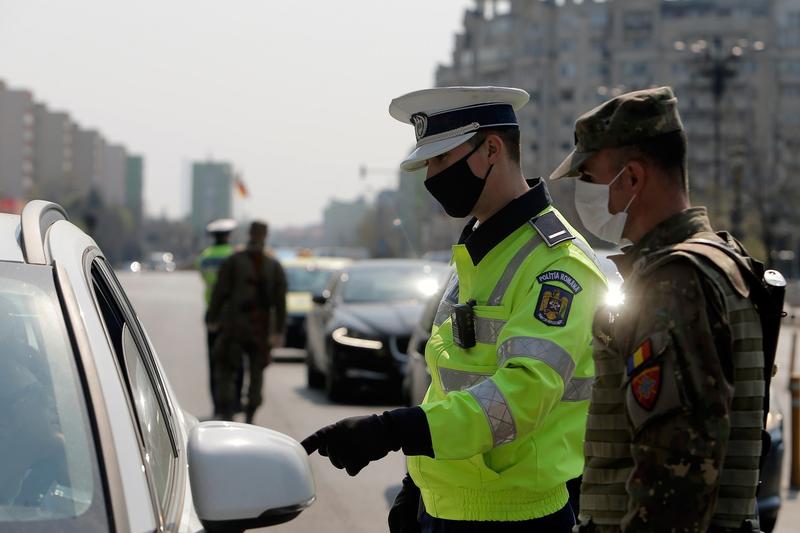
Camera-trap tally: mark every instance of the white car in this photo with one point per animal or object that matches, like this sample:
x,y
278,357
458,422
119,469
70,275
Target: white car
x,y
91,434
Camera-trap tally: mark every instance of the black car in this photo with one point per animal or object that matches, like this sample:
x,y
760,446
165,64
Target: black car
x,y
360,326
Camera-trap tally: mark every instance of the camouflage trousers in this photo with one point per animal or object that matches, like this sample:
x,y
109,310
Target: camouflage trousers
x,y
229,355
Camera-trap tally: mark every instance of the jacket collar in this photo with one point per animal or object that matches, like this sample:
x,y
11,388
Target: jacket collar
x,y
481,240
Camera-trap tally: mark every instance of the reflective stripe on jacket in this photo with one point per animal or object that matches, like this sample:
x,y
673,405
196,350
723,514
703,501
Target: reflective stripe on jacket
x,y
507,416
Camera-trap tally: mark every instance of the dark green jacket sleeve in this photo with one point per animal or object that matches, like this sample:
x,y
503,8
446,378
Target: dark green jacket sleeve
x,y
222,291
678,401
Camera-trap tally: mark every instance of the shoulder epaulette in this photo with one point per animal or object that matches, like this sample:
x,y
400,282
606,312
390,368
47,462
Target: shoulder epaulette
x,y
551,229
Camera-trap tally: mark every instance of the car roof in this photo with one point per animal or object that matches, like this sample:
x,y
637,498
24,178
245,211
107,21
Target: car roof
x,y
23,237
333,263
384,263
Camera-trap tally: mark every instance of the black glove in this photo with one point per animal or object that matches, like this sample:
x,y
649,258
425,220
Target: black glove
x,y
403,514
353,442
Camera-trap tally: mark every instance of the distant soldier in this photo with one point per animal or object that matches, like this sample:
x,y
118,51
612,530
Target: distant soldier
x,y
208,264
248,305
674,435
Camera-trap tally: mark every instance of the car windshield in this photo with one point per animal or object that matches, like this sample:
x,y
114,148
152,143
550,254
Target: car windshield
x,y
308,278
49,474
392,283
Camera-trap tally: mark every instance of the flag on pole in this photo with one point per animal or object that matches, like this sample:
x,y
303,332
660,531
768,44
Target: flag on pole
x,y
240,186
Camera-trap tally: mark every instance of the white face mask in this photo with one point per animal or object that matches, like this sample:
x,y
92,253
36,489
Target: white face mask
x,y
591,201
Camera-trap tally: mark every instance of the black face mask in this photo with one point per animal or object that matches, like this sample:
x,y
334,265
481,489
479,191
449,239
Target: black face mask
x,y
456,188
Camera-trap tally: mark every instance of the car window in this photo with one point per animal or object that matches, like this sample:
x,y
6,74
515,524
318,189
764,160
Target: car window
x,y
429,314
307,278
144,386
391,283
49,466
151,419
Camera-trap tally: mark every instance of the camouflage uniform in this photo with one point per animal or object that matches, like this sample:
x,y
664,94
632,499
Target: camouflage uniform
x,y
248,303
674,430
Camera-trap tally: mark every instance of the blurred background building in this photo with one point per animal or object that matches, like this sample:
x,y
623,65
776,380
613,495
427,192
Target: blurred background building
x,y
212,193
734,65
45,154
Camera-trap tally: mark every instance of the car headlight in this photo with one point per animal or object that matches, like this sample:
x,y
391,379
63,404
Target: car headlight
x,y
355,339
615,297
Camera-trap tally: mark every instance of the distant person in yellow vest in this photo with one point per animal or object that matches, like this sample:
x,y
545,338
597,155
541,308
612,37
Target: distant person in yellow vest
x,y
248,305
208,264
500,431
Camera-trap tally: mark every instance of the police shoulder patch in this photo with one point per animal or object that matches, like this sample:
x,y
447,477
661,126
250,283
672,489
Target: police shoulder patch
x,y
563,277
553,305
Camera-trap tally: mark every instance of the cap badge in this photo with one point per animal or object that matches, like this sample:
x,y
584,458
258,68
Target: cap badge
x,y
420,121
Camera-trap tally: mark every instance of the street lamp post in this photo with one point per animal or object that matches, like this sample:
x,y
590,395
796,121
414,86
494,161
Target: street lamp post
x,y
718,65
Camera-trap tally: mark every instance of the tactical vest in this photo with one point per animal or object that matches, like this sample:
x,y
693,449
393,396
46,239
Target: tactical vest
x,y
603,496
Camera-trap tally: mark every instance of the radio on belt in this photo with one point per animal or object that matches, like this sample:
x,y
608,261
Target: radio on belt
x,y
464,324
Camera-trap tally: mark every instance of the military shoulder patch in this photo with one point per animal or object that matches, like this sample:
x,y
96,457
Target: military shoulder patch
x,y
646,385
553,305
642,354
563,277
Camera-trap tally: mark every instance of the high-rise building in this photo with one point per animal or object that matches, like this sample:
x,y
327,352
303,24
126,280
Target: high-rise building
x,y
341,222
734,65
16,144
111,184
52,154
88,151
212,193
134,187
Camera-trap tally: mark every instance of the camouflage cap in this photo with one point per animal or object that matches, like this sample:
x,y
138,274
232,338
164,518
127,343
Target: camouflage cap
x,y
623,120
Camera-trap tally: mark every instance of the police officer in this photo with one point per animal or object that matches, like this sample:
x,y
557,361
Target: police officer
x,y
208,263
674,430
248,305
501,429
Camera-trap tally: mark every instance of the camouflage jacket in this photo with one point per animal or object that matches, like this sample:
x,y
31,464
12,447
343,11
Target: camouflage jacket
x,y
673,336
247,301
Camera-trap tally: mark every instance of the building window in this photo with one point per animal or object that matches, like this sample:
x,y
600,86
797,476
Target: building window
x,y
534,147
637,28
567,95
633,70
598,19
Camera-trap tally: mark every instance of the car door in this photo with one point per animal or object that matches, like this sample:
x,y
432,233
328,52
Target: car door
x,y
153,413
317,323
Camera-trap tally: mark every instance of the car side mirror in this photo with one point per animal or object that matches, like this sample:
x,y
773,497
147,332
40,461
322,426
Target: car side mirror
x,y
320,299
245,476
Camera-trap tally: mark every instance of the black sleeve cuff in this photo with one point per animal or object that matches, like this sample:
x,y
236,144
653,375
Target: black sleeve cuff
x,y
409,428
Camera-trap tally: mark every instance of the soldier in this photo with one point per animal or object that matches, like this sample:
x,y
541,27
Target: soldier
x,y
674,432
208,263
248,305
500,431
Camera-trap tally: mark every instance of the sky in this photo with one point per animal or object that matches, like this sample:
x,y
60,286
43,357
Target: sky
x,y
295,94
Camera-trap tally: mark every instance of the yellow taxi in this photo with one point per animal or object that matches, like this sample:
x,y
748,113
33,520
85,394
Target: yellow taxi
x,y
307,276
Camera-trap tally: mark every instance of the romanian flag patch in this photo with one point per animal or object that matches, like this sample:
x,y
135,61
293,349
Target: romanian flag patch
x,y
640,356
646,385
